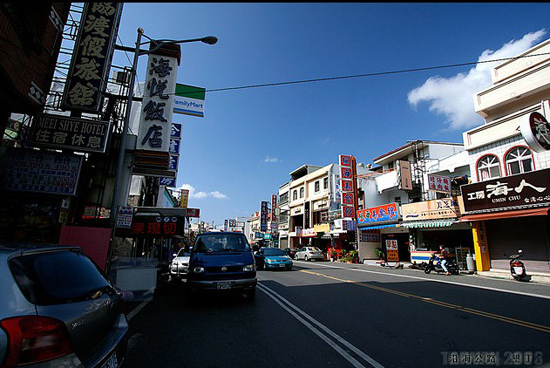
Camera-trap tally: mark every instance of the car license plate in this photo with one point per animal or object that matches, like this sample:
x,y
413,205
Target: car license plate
x,y
282,265
223,285
112,362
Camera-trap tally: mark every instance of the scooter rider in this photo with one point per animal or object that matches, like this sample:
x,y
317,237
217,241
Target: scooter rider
x,y
443,259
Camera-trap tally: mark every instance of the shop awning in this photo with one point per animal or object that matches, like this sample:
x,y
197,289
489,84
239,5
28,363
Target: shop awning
x,y
376,227
429,223
506,214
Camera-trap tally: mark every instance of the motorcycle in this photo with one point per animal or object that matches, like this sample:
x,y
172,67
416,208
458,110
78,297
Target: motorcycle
x,y
435,265
517,268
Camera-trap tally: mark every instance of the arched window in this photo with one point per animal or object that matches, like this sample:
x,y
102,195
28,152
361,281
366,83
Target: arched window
x,y
488,167
294,195
519,160
302,192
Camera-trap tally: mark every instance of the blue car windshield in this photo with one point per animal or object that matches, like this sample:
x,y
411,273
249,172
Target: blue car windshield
x,y
274,252
222,243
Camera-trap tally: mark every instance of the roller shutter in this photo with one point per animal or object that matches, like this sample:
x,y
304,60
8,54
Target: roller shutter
x,y
506,236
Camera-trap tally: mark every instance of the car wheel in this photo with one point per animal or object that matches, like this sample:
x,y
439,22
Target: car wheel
x,y
306,258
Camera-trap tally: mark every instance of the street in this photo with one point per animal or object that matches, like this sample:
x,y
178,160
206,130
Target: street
x,y
342,315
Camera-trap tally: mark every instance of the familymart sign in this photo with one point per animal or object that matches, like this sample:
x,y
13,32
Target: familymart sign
x,y
189,100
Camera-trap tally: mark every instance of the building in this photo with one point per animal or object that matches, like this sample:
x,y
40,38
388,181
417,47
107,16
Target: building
x,y
405,204
508,201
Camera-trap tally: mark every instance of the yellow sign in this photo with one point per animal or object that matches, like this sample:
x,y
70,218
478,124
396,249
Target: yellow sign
x,y
184,198
431,210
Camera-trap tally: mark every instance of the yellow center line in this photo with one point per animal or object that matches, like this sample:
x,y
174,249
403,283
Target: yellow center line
x,y
439,303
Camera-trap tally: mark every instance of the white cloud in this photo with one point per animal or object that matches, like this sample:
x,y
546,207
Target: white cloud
x,y
201,195
453,97
272,159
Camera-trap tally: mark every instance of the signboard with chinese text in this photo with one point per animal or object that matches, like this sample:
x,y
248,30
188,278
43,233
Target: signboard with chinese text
x,y
194,212
157,226
392,250
189,100
431,210
184,199
40,171
346,193
263,216
522,190
387,213
439,183
75,134
405,175
274,224
92,56
155,127
369,236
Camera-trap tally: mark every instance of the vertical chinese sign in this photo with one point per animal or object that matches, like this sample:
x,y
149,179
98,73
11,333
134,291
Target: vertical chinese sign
x,y
274,224
347,185
156,113
184,200
263,216
155,125
92,56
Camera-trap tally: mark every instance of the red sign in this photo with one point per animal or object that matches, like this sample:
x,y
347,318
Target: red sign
x,y
157,226
193,212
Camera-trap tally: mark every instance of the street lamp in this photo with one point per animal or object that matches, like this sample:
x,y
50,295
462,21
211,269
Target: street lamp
x,y
210,40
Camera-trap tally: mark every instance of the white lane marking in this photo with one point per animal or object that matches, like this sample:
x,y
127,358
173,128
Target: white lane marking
x,y
135,311
302,318
433,280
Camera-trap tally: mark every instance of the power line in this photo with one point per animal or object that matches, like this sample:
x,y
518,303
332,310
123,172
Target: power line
x,y
366,74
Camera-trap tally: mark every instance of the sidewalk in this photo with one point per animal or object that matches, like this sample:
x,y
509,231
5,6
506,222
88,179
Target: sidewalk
x,y
537,277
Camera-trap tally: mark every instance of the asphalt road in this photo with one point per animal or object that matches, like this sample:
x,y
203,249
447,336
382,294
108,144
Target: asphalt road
x,y
324,314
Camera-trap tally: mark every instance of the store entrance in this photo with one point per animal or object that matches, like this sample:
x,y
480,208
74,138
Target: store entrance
x,y
402,243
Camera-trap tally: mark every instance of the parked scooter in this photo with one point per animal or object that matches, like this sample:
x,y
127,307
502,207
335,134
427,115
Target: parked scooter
x,y
517,268
434,265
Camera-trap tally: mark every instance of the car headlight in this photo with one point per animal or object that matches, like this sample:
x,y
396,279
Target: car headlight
x,y
269,261
198,270
249,268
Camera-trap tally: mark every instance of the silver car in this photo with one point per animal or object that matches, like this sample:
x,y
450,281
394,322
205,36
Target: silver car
x,y
180,264
309,253
58,309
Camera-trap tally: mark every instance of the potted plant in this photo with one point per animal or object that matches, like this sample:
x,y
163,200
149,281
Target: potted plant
x,y
379,253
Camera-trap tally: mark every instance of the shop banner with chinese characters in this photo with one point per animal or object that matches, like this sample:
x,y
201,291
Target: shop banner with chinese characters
x,y
392,250
92,56
431,210
263,216
511,192
439,183
157,226
387,213
184,199
274,206
155,127
347,187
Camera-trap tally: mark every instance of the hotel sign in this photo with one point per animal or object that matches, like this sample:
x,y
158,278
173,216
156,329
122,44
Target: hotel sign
x,y
92,56
75,134
523,190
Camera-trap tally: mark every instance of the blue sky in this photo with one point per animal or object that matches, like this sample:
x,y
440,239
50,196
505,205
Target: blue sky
x,y
251,139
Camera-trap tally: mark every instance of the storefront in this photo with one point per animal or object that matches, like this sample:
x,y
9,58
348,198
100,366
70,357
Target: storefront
x,y
381,223
434,223
508,214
